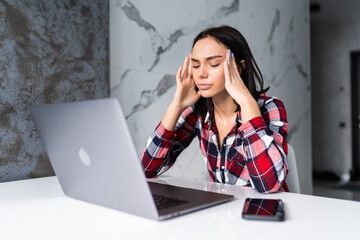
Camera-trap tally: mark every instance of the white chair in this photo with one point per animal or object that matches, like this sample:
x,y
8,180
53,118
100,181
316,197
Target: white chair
x,y
292,179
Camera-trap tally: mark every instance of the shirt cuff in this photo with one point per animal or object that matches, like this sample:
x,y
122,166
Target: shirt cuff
x,y
252,126
163,133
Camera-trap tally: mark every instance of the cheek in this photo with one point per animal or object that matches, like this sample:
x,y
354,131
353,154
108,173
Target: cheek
x,y
218,74
195,75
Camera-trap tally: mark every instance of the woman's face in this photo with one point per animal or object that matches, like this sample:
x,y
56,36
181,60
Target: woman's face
x,y
207,60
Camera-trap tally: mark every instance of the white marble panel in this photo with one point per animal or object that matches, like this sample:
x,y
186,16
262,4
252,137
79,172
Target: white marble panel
x,y
162,31
148,42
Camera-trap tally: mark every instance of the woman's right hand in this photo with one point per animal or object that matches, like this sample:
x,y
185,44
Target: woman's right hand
x,y
184,97
186,94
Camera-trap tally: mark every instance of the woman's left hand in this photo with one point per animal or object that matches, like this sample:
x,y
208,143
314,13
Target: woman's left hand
x,y
237,89
234,85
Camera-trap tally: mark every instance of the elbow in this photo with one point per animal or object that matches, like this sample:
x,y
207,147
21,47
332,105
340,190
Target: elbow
x,y
272,181
150,174
276,188
148,166
274,178
154,171
270,188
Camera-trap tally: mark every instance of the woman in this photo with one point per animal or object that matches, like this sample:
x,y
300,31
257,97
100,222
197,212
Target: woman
x,y
242,132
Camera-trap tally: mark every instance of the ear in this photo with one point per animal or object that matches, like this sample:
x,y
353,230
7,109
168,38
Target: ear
x,y
243,65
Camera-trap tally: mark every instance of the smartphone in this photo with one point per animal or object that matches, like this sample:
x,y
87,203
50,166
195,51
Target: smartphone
x,y
263,209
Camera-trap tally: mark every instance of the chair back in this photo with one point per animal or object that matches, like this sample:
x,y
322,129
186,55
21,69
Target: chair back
x,y
292,180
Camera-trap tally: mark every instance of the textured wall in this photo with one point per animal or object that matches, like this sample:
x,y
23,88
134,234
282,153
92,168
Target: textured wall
x,y
149,40
50,51
335,33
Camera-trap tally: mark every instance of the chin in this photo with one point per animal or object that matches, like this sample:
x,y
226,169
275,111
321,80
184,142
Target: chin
x,y
205,94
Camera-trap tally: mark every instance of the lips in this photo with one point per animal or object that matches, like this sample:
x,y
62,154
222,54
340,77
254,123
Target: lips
x,y
204,86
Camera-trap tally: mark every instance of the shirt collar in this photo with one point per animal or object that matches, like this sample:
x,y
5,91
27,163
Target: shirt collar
x,y
238,117
209,117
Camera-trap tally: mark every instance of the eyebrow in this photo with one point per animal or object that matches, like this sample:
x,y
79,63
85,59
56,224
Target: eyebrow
x,y
208,58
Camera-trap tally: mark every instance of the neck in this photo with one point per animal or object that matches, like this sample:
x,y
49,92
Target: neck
x,y
224,105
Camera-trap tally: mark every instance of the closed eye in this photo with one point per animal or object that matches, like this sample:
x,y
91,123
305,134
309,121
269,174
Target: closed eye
x,y
195,66
215,65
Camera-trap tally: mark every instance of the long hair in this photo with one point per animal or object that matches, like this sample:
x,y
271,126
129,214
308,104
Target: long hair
x,y
251,74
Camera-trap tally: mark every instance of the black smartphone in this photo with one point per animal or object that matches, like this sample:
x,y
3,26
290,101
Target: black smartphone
x,y
263,209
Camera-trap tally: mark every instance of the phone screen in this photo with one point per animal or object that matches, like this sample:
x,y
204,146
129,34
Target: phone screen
x,y
263,209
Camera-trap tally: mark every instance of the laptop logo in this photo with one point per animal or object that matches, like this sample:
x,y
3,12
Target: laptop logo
x,y
84,157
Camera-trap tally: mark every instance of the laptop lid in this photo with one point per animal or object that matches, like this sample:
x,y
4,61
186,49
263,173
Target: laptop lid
x,y
91,150
93,155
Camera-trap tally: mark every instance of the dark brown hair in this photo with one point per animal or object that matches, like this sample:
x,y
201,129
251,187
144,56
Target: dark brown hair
x,y
236,42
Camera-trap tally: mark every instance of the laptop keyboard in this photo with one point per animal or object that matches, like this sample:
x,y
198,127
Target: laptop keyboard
x,y
162,202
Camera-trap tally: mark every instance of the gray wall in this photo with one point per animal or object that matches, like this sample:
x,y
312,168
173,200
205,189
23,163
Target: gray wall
x,y
50,51
149,40
335,32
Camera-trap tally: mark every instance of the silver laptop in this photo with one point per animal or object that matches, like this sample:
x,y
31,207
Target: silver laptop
x,y
93,155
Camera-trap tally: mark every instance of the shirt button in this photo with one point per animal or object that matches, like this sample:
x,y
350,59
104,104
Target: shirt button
x,y
223,167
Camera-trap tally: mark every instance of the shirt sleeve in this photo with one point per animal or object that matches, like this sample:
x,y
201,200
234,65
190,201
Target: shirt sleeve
x,y
265,147
164,146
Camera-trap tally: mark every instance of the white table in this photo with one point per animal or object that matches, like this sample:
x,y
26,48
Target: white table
x,y
38,209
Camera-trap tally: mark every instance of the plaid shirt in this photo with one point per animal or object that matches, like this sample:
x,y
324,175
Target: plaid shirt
x,y
253,153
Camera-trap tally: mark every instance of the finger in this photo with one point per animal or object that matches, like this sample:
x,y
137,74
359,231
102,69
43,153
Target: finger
x,y
234,69
178,75
185,68
226,66
190,68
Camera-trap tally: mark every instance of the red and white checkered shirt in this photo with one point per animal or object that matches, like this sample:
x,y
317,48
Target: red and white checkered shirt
x,y
253,154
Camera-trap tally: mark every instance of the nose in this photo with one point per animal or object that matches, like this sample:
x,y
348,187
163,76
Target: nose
x,y
202,72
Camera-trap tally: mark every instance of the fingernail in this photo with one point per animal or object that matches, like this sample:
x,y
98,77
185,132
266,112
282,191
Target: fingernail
x,y
229,52
232,55
226,62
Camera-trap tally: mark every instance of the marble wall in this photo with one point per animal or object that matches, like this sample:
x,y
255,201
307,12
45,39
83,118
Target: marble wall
x,y
149,40
50,51
335,33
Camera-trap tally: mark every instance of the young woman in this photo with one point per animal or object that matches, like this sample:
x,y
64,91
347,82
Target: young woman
x,y
242,132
